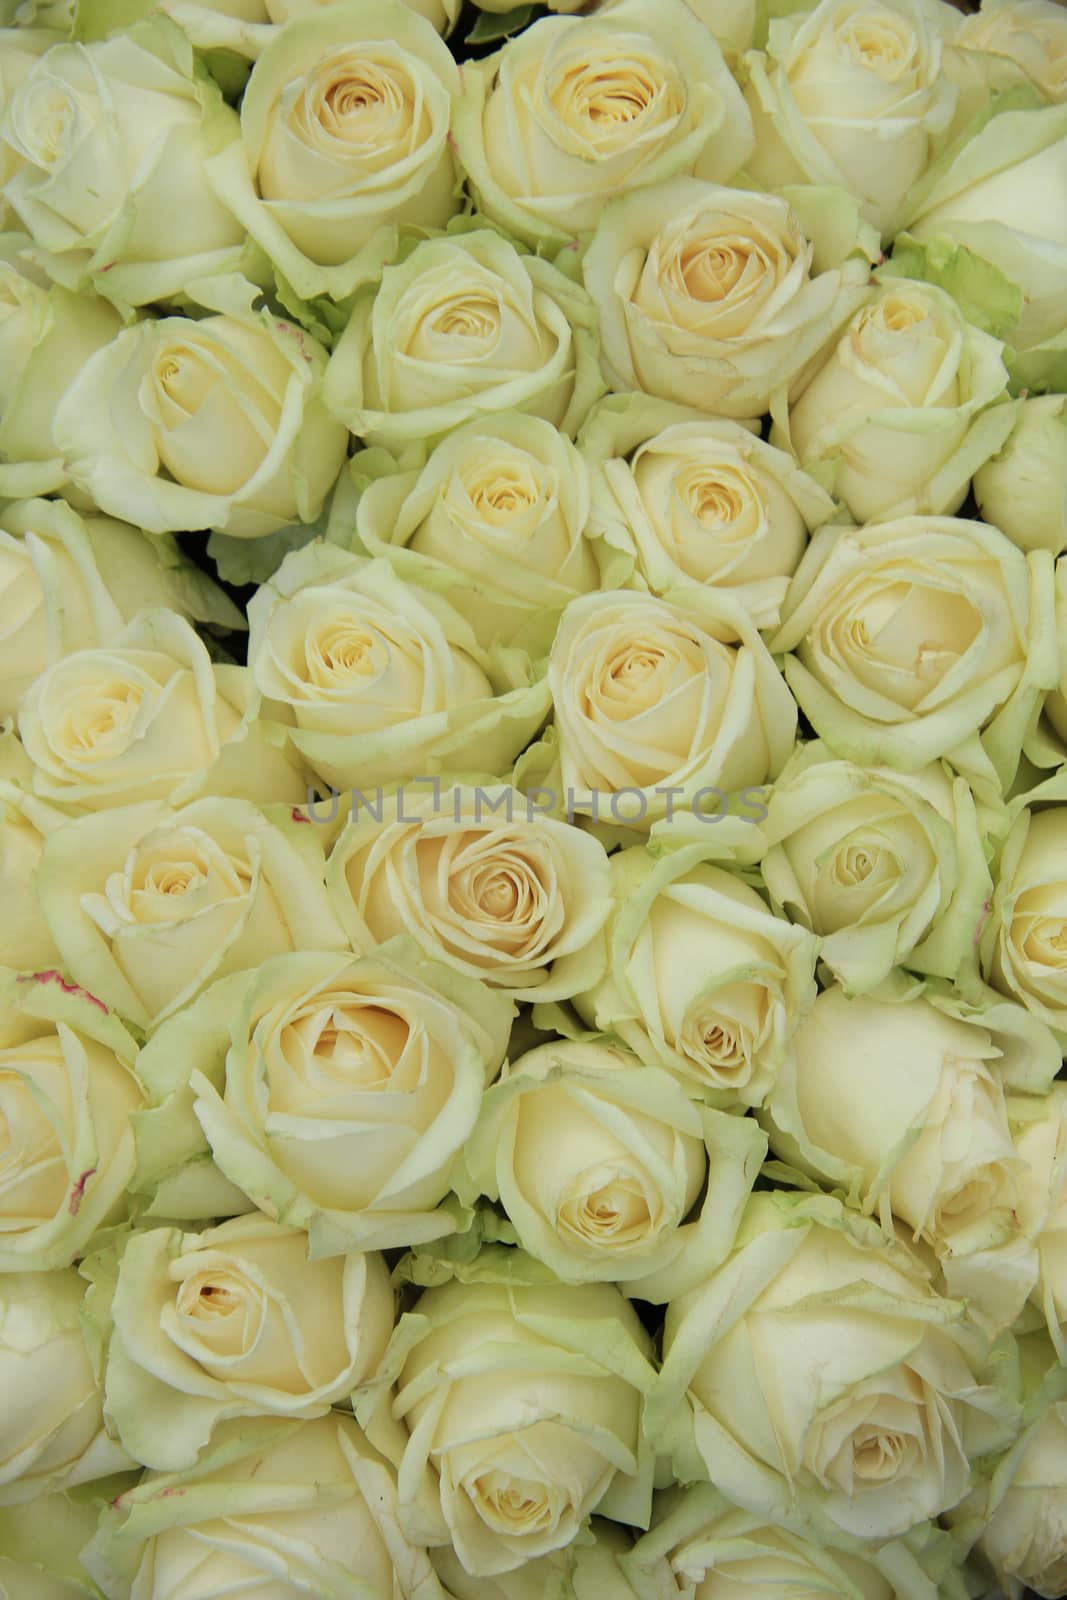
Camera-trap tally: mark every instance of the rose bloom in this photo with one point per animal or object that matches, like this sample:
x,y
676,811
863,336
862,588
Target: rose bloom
x,y
456,328
347,1092
902,410
69,583
1023,489
276,1508
67,1093
608,1170
344,130
1024,949
818,1380
148,717
1003,197
149,905
508,1482
700,977
648,698
900,1107
247,27
47,333
1039,1124
577,110
708,296
587,1569
222,424
912,636
481,882
700,500
42,1539
382,679
52,1428
888,868
25,942
1031,33
104,136
235,1321
851,93
496,521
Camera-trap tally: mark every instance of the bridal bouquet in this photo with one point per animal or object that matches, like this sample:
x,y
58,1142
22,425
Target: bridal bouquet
x,y
533,800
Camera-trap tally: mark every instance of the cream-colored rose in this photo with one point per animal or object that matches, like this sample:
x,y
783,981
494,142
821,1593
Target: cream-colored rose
x,y
149,718
347,1092
42,1539
707,295
247,27
851,94
20,48
554,1375
576,110
52,1428
149,905
1040,1129
714,1550
888,868
105,136
701,978
457,328
46,336
212,423
1023,490
702,500
1032,33
912,637
344,130
481,881
67,1092
1024,943
900,1106
607,1169
383,681
235,1321
275,1508
1003,197
903,411
819,1381
68,583
25,942
654,711
496,521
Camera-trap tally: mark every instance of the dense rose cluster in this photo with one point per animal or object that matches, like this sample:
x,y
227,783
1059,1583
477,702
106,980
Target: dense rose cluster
x,y
533,800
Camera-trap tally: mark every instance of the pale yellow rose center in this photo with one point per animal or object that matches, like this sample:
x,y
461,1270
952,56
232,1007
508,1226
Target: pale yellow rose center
x,y
901,638
346,1044
877,1456
718,497
359,98
98,720
206,1300
33,1173
613,1212
898,313
1046,941
513,1505
174,875
882,43
607,98
639,674
340,650
854,864
45,118
504,492
460,328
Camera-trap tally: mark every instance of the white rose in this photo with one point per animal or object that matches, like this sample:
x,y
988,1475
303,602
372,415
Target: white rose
x,y
149,905
608,1170
482,883
381,679
348,1090
707,295
701,978
52,1429
235,1321
818,1380
566,1367
651,704
247,27
68,583
888,868
25,942
150,717
1040,1128
67,1093
851,94
223,424
1032,33
20,48
1023,490
459,327
496,521
914,636
903,411
1024,948
344,129
900,1106
105,136
702,500
576,110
